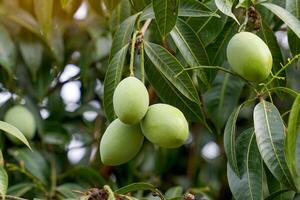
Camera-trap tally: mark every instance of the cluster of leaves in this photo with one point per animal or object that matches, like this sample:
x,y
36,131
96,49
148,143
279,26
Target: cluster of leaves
x,y
178,48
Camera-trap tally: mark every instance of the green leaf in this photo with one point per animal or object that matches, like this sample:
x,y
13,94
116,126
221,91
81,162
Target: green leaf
x,y
250,185
135,187
31,51
293,6
174,192
217,50
229,140
291,21
120,13
221,99
34,163
1,159
20,189
43,12
291,139
55,43
67,190
112,78
8,54
169,94
123,35
208,28
166,12
6,127
269,38
3,182
270,136
187,8
279,193
225,7
191,48
169,66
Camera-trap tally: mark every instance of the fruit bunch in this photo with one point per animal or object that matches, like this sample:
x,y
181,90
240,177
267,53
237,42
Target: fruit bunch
x,y
161,124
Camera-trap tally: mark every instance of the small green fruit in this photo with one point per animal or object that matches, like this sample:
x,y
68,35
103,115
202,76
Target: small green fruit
x,y
130,100
20,117
165,125
249,56
120,143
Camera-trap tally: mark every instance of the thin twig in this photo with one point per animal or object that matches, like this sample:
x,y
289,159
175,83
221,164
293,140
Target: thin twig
x,y
132,53
145,27
142,62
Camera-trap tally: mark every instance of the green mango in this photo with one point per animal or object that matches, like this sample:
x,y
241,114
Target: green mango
x,y
249,56
20,117
130,100
120,143
165,126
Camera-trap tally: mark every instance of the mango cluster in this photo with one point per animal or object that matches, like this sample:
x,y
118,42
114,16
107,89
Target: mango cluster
x,y
161,124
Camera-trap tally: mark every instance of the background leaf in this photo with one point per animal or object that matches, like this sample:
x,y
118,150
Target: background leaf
x,y
166,12
169,66
221,99
270,136
43,12
7,51
191,48
292,22
112,78
3,181
294,42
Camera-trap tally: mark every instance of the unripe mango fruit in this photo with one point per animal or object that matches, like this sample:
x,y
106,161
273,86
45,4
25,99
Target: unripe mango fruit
x,y
120,143
20,117
249,56
130,100
165,126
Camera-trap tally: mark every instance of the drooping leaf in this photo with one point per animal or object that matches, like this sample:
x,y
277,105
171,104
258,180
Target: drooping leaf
x,y
291,139
294,42
187,8
43,12
276,195
269,38
191,48
250,185
56,44
169,66
221,99
31,51
291,21
169,94
270,136
34,163
230,140
123,35
225,6
112,78
7,51
20,189
9,129
166,12
3,182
